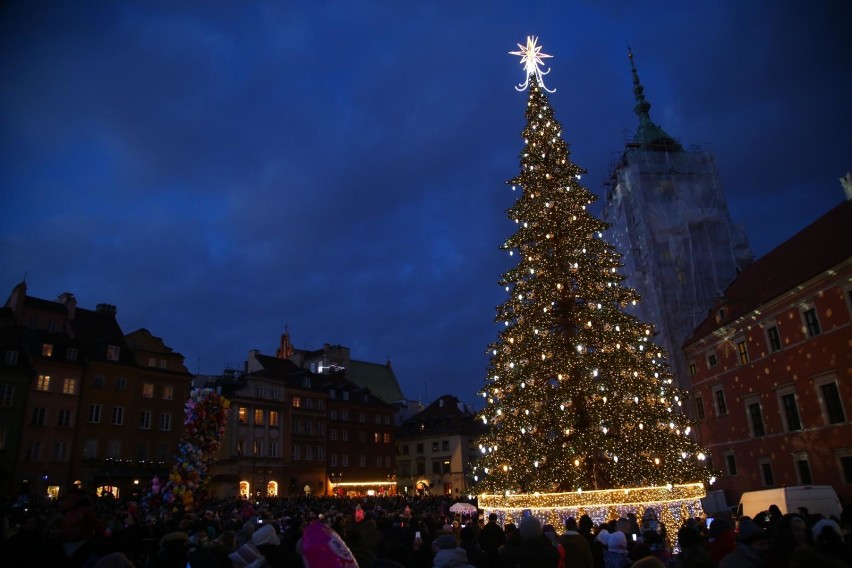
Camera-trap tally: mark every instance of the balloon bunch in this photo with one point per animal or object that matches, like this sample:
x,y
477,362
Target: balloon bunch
x,y
206,414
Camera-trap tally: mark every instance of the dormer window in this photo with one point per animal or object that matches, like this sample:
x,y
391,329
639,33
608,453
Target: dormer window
x,y
47,350
113,352
306,382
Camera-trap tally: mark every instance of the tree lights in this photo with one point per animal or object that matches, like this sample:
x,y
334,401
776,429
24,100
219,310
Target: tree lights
x,y
579,398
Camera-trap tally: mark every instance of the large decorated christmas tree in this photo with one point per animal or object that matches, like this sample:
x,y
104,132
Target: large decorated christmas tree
x,y
579,396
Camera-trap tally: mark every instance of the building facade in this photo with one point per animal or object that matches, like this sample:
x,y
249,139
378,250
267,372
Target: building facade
x,y
435,449
670,220
772,366
92,411
293,431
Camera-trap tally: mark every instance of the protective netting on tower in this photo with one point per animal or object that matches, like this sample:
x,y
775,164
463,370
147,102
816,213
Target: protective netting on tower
x,y
670,219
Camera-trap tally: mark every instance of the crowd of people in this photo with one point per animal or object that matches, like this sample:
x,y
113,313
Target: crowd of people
x,y
80,531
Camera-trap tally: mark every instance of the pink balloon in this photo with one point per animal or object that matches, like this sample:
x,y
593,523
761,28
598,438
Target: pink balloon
x,y
323,548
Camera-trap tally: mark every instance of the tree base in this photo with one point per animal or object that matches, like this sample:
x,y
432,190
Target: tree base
x,y
672,504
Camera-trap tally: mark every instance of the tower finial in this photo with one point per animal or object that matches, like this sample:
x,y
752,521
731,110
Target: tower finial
x,y
648,132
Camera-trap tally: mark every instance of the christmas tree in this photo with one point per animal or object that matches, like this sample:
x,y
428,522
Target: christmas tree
x,y
578,394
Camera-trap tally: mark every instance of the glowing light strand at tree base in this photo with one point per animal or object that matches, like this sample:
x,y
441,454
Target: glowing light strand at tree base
x,y
672,504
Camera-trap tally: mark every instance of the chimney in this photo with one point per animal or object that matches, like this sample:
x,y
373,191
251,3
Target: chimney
x,y
70,302
846,182
107,309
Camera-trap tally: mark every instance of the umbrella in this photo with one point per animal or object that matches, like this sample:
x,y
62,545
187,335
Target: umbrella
x,y
463,508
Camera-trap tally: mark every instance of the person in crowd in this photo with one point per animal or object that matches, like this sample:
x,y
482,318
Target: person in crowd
x,y
475,554
722,539
828,540
750,551
616,553
578,552
693,550
448,554
534,549
491,538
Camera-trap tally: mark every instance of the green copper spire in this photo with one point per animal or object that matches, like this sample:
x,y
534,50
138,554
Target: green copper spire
x,y
648,134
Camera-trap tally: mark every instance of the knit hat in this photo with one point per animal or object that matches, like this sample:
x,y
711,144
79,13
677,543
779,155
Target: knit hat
x,y
265,535
750,532
245,555
617,542
821,525
718,527
446,541
530,528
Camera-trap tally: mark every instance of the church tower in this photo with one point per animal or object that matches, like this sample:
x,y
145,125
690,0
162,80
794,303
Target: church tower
x,y
670,219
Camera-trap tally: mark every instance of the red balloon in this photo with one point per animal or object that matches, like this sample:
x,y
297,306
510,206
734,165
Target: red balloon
x,y
323,548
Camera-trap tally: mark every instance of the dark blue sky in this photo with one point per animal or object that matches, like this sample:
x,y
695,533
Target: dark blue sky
x,y
220,170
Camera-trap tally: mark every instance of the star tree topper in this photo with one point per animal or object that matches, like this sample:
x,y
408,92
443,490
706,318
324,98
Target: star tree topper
x,y
532,59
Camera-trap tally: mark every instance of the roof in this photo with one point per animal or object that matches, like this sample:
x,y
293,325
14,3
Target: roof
x,y
811,251
379,378
445,415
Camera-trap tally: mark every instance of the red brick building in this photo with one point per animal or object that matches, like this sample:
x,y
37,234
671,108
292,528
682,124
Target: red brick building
x,y
771,366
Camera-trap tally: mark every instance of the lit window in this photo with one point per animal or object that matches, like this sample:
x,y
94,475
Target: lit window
x,y
69,386
168,392
258,417
297,402
148,390
742,350
113,352
387,439
43,383
47,350
273,418
242,415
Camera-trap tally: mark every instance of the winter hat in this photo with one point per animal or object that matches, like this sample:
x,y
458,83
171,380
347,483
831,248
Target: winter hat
x,y
821,525
446,541
750,532
688,537
265,535
617,542
718,527
549,532
530,528
245,555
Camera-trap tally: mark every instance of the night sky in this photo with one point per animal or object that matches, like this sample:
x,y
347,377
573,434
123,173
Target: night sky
x,y
219,171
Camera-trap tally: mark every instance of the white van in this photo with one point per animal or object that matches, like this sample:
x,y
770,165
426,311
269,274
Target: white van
x,y
820,499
